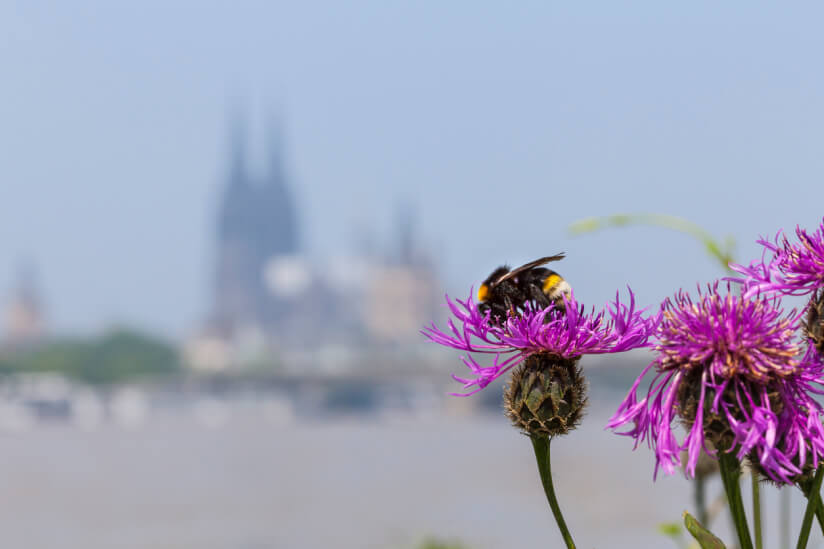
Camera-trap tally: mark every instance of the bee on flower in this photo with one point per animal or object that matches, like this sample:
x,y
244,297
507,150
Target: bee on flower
x,y
547,391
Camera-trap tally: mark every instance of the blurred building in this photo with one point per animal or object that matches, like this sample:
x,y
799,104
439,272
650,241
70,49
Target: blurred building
x,y
257,228
24,317
269,299
257,246
403,287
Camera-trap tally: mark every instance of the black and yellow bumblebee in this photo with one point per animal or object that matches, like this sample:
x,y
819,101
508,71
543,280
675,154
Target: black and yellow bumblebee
x,y
509,290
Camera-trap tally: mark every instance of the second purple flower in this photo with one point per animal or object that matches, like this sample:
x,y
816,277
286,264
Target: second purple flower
x,y
732,369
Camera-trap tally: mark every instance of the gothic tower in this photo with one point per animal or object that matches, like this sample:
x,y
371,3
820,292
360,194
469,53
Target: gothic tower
x,y
256,223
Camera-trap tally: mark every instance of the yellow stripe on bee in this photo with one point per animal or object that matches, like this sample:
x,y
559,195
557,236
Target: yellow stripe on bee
x,y
483,292
550,282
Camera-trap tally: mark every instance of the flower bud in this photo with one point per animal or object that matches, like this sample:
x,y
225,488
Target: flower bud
x,y
546,395
717,429
814,324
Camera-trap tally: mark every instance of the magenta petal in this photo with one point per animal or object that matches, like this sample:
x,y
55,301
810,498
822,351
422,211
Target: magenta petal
x,y
568,333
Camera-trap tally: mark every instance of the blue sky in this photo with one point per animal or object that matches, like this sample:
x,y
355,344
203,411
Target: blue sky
x,y
501,123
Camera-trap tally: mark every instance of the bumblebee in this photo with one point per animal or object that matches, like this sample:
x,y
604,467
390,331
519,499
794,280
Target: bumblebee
x,y
507,290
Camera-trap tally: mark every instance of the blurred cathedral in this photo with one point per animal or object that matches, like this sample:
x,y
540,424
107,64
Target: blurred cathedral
x,y
267,296
257,227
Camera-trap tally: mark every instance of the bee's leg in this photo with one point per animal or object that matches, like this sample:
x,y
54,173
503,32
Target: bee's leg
x,y
513,298
509,307
498,314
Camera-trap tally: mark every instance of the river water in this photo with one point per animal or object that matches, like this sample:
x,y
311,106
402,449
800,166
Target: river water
x,y
232,476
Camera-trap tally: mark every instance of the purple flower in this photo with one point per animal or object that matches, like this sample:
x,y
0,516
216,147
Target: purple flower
x,y
792,269
731,369
567,332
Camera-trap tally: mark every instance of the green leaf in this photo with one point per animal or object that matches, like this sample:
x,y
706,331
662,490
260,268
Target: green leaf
x,y
670,529
704,537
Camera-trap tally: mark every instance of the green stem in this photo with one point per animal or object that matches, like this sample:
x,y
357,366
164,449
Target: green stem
x,y
819,513
541,446
700,499
756,509
812,503
730,472
819,507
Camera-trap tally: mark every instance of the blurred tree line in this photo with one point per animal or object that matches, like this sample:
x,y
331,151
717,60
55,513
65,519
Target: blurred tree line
x,y
117,356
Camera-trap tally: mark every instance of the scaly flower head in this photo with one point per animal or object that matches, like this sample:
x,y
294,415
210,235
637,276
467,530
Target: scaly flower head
x,y
731,369
790,268
566,332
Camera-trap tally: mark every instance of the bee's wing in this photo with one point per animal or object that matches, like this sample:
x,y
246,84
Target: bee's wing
x,y
528,266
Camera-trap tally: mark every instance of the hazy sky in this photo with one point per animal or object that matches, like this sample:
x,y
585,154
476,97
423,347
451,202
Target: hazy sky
x,y
501,122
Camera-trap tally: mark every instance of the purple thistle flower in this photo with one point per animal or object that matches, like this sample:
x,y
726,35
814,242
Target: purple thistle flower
x,y
731,369
792,269
567,332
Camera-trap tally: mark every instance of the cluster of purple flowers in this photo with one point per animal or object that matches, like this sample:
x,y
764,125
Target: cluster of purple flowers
x,y
731,366
738,365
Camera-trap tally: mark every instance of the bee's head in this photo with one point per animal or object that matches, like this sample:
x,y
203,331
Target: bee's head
x,y
486,287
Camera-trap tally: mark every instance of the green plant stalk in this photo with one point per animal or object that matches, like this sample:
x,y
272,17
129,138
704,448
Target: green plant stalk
x,y
756,509
812,503
806,489
819,507
542,456
819,513
720,252
699,494
730,473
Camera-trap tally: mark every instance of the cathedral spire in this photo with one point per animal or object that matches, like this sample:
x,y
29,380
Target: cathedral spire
x,y
277,199
237,149
257,223
274,152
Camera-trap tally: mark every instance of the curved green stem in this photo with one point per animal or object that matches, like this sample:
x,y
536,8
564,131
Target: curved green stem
x,y
756,509
730,472
721,252
541,446
812,503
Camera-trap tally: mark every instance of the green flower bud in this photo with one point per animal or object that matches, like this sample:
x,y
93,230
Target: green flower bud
x,y
717,431
546,395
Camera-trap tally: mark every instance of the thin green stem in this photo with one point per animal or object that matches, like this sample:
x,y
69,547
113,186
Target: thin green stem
x,y
819,513
812,503
730,472
699,493
819,507
541,446
756,509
